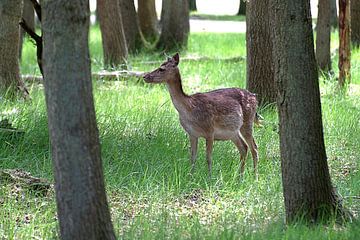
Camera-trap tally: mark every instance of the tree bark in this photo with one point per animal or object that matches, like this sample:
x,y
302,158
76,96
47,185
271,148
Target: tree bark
x,y
308,192
259,64
175,25
242,7
112,33
29,17
344,43
134,39
147,19
79,185
355,22
323,30
10,15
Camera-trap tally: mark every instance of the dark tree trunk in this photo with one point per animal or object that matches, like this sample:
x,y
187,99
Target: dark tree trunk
x,y
192,5
334,14
323,30
308,192
79,182
10,15
344,42
112,33
355,22
29,17
259,64
175,25
147,19
134,39
242,8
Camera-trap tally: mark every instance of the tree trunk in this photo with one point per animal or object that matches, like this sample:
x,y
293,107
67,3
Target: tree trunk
x,y
334,15
112,33
147,19
10,15
323,30
175,25
29,17
134,39
192,5
355,22
308,192
344,43
79,185
259,64
242,7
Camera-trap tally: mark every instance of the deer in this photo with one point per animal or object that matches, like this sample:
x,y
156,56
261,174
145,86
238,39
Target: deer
x,y
218,115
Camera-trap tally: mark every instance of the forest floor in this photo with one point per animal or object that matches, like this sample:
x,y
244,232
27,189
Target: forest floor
x,y
146,159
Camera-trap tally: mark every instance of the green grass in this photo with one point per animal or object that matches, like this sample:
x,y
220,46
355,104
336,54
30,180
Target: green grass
x,y
146,160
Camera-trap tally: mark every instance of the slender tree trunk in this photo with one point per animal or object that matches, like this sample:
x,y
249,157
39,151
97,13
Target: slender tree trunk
x,y
308,192
334,14
112,33
79,182
355,22
10,15
344,42
192,5
175,25
323,30
29,17
259,64
147,19
242,8
134,39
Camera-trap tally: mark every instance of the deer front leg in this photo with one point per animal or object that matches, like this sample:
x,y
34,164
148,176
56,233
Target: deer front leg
x,y
209,148
193,150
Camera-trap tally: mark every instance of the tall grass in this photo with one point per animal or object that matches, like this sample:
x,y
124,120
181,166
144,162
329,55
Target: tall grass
x,y
146,160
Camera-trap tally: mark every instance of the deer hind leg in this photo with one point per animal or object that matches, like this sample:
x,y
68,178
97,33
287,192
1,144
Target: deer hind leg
x,y
209,148
243,148
247,133
193,150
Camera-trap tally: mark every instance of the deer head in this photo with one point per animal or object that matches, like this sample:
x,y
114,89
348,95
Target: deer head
x,y
165,73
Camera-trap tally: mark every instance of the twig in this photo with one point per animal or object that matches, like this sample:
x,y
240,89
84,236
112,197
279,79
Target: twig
x,y
38,41
37,8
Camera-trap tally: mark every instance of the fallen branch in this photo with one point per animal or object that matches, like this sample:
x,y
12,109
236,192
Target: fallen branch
x,y
200,59
106,75
24,179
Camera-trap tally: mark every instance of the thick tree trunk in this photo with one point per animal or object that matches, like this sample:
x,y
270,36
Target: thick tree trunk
x,y
344,42
112,33
334,14
29,17
134,39
308,192
147,19
355,22
10,15
242,8
175,25
259,64
323,30
80,192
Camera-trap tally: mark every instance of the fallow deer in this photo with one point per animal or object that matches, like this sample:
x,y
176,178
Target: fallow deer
x,y
223,114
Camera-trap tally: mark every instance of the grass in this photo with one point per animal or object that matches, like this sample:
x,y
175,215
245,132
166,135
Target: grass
x,y
146,160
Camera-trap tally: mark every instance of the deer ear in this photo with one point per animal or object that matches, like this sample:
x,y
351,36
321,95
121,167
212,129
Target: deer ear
x,y
176,58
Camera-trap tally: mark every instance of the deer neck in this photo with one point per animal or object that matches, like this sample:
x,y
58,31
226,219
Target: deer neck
x,y
178,97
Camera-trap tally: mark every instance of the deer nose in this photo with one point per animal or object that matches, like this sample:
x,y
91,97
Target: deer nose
x,y
146,77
